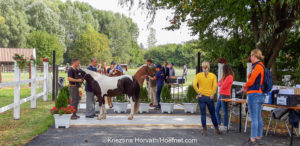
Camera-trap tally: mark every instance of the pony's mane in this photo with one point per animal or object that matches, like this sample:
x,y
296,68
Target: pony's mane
x,y
95,75
140,70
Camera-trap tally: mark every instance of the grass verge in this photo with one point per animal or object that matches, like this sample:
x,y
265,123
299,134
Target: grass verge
x,y
32,123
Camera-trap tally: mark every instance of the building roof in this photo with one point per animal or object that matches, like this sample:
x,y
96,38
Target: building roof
x,y
6,54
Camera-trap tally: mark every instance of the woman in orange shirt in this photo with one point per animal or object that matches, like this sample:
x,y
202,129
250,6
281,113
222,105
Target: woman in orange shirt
x,y
255,96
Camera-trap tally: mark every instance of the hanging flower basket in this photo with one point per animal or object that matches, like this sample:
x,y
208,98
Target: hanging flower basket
x,y
21,61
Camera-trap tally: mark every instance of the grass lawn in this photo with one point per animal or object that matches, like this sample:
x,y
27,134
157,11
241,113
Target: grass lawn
x,y
32,122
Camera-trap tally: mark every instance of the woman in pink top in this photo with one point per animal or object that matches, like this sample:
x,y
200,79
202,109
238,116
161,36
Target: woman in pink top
x,y
225,85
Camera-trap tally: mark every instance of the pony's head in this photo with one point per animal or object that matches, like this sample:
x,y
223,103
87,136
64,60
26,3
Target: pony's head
x,y
143,71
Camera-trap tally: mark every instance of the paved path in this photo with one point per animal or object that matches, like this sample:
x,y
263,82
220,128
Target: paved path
x,y
142,120
139,136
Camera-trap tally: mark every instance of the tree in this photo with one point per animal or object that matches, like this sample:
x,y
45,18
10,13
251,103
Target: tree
x,y
2,20
136,54
90,44
151,38
45,43
41,17
15,29
121,39
268,22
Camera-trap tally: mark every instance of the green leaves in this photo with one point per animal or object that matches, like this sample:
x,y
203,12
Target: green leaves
x,y
45,43
191,95
166,94
90,44
144,95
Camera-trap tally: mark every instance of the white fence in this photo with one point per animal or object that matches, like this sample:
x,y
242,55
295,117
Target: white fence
x,y
34,96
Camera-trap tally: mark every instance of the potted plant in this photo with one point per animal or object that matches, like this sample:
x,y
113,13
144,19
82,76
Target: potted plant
x,y
167,104
62,112
120,104
190,102
144,100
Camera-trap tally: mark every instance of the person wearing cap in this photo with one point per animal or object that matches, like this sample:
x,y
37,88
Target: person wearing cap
x,y
171,69
111,68
119,67
159,77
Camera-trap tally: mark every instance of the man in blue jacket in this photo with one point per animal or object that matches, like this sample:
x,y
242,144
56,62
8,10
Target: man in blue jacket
x,y
90,96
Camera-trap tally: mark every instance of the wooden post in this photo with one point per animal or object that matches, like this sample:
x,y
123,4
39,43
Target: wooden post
x,y
198,69
220,74
17,92
33,85
45,81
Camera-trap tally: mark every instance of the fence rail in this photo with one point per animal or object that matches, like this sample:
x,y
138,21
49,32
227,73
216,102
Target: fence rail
x,y
33,81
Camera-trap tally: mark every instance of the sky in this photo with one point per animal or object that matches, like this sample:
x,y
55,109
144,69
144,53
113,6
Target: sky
x,y
139,17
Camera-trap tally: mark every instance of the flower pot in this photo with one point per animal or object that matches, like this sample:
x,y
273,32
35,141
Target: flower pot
x,y
120,107
62,120
144,107
190,107
167,107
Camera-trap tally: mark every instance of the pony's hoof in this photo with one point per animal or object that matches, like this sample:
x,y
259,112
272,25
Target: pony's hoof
x,y
99,117
104,117
130,118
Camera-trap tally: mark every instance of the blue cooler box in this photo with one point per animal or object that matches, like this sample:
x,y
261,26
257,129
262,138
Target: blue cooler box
x,y
268,98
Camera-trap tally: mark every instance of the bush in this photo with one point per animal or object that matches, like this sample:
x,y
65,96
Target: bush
x,y
190,95
120,98
66,90
61,103
62,98
166,94
144,95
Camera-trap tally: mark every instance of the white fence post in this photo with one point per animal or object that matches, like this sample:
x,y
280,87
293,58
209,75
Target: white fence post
x,y
248,70
220,74
45,81
33,85
17,93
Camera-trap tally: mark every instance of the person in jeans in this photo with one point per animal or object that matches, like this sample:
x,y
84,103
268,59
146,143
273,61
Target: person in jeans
x,y
255,96
185,71
159,77
152,86
74,86
225,85
205,84
90,96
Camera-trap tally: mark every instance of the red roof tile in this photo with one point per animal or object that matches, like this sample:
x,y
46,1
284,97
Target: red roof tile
x,y
6,54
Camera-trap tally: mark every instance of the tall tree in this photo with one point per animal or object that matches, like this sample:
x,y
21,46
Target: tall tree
x,y
2,20
45,43
121,39
90,44
268,21
151,38
41,17
15,29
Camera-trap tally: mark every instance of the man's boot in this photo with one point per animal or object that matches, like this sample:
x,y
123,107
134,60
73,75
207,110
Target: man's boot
x,y
204,131
217,130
